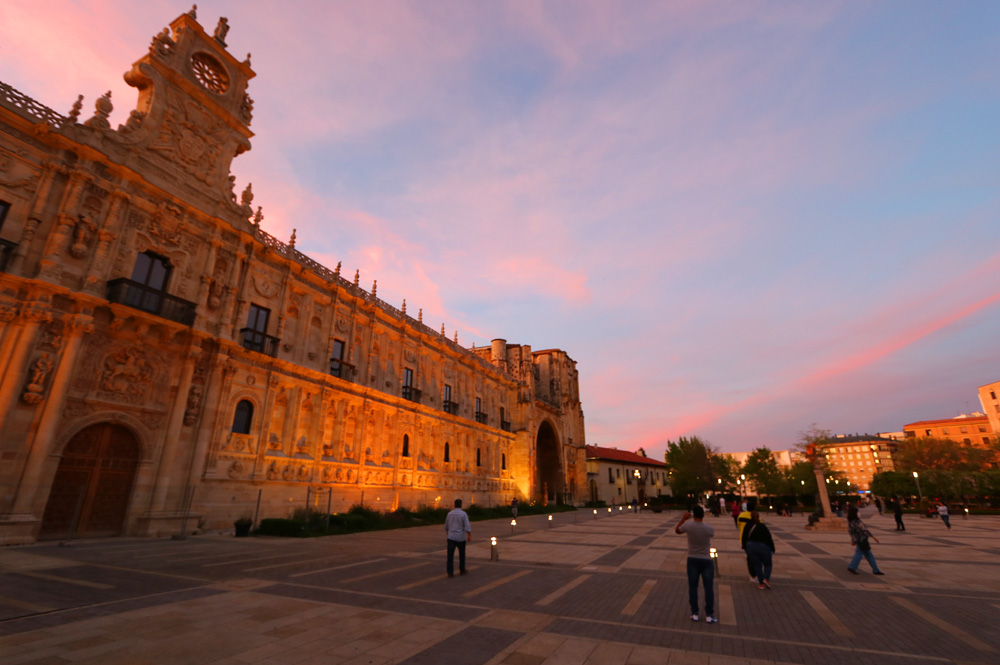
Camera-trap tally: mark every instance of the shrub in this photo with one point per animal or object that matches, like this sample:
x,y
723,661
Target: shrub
x,y
280,526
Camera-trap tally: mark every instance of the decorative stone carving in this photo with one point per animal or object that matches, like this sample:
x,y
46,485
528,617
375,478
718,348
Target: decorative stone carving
x,y
127,374
83,231
235,470
192,136
264,287
33,392
193,404
165,224
102,109
162,44
221,30
10,179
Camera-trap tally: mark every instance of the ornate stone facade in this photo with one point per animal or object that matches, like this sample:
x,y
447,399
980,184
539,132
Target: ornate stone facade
x,y
169,363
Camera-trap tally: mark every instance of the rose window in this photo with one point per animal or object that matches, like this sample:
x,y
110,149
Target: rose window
x,y
210,73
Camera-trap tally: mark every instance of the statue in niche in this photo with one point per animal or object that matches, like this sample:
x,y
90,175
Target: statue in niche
x,y
272,471
82,231
36,384
193,404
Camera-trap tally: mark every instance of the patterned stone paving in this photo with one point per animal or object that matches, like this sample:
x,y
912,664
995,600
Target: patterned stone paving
x,y
583,591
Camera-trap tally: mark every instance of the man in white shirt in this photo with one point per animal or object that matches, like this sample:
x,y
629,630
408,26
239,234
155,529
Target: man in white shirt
x,y
459,533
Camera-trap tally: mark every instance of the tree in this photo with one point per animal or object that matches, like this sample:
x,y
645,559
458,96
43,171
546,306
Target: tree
x,y
893,483
928,453
689,463
810,439
763,471
800,478
727,469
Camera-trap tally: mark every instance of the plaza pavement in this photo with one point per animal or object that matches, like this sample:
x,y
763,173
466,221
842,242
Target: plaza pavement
x,y
583,591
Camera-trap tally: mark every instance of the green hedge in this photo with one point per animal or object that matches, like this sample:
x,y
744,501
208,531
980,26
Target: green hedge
x,y
359,518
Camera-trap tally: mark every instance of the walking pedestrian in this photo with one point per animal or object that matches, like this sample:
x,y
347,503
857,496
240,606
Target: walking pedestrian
x,y
459,531
742,521
897,512
735,510
759,545
860,538
942,511
878,505
699,561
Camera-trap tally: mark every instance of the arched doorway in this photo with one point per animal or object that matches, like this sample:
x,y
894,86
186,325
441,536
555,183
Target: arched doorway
x,y
93,483
549,485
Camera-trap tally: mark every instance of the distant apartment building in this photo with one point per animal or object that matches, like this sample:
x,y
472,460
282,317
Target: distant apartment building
x,y
784,458
859,457
618,476
972,428
991,405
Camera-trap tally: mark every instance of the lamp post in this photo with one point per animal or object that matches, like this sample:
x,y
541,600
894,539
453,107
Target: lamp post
x,y
638,491
916,477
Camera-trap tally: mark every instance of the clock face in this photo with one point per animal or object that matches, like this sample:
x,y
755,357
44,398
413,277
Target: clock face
x,y
210,72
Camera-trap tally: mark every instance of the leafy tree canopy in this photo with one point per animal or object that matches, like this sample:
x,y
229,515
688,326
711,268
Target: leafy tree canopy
x,y
689,462
809,439
761,468
942,454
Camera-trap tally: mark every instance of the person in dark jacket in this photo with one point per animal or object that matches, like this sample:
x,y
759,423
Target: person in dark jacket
x,y
897,512
860,537
756,540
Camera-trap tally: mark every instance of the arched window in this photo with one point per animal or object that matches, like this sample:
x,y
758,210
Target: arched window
x,y
406,445
243,417
479,457
447,451
503,461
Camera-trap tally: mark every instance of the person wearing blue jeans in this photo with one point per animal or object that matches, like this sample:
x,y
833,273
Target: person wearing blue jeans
x,y
757,541
699,562
860,537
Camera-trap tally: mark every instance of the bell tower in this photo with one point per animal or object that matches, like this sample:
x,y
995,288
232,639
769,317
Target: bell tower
x,y
193,114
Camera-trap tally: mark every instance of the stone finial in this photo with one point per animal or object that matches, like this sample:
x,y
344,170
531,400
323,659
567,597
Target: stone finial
x,y
442,331
456,337
420,315
247,61
257,218
102,109
247,197
74,113
291,241
357,276
374,288
404,306
221,30
337,271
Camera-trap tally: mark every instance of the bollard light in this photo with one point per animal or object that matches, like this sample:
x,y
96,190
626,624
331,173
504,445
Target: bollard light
x,y
619,508
513,523
609,510
595,513
494,555
714,554
550,521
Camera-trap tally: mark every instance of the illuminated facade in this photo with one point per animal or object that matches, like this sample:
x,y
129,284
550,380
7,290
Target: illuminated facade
x,y
619,476
168,362
972,428
859,457
989,397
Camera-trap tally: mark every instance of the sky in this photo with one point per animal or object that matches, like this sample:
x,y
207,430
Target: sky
x,y
738,218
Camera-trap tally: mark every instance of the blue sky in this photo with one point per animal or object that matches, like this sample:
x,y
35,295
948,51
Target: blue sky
x,y
738,218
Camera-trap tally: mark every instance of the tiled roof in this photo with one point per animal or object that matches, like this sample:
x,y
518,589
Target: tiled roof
x,y
944,422
596,452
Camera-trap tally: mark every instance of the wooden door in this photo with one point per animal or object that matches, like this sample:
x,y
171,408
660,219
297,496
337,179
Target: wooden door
x,y
93,482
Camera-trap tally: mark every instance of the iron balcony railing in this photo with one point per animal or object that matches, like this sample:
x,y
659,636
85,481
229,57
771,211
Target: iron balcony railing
x,y
505,425
451,407
411,393
254,340
341,370
139,296
481,417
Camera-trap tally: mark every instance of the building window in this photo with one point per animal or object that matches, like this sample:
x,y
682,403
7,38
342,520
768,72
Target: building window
x,y
966,440
503,461
611,475
986,439
447,451
927,432
963,430
993,394
255,337
149,283
6,247
337,359
243,417
479,457
618,473
406,445
982,429
4,209
480,416
449,406
409,392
